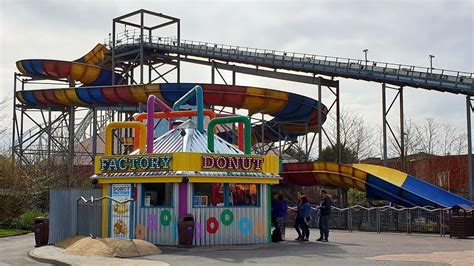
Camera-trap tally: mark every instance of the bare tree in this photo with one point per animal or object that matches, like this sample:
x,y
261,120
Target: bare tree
x,y
3,105
428,134
411,140
429,137
356,135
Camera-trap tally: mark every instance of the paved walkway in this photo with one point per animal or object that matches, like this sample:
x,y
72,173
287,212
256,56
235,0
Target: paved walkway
x,y
356,248
14,250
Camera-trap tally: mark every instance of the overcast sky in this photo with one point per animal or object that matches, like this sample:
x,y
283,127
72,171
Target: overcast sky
x,y
394,31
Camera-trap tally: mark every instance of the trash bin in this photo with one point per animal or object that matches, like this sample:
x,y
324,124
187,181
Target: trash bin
x,y
461,221
41,231
186,230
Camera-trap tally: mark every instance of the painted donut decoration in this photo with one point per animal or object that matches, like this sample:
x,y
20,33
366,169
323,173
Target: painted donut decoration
x,y
212,225
165,218
227,217
245,225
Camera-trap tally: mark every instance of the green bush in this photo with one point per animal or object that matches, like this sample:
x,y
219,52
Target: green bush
x,y
27,219
9,223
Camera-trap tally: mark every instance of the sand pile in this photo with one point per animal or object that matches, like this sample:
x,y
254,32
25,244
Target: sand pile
x,y
110,247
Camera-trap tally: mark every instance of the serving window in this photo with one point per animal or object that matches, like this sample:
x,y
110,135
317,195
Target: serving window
x,y
225,195
243,195
157,194
208,195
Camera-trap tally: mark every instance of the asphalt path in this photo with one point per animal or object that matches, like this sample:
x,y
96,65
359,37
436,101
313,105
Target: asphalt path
x,y
344,248
14,250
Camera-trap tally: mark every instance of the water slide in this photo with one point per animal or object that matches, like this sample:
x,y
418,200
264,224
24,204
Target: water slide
x,y
378,182
293,114
86,70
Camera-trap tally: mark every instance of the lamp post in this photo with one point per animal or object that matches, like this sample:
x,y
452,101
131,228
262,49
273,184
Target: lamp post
x,y
365,53
431,63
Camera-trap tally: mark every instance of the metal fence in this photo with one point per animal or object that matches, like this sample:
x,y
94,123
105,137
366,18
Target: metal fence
x,y
89,216
62,211
416,220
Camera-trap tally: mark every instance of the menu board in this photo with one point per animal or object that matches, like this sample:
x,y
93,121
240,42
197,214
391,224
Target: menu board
x,y
120,220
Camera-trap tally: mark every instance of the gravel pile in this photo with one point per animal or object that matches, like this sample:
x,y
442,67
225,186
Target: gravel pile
x,y
108,247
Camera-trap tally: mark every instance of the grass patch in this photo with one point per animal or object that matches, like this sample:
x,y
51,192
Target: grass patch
x,y
12,232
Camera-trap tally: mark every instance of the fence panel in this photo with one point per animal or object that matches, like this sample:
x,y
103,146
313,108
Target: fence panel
x,y
426,221
63,211
393,219
364,219
89,218
339,219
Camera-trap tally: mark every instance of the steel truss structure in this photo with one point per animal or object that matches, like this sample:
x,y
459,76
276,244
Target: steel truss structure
x,y
142,53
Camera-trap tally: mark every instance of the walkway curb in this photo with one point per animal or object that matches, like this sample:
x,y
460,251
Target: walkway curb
x,y
39,258
57,256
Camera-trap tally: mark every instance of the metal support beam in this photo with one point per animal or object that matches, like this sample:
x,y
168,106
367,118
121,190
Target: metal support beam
x,y
113,52
402,132
469,110
22,119
71,145
213,72
263,134
399,139
49,133
178,70
384,125
94,137
274,74
338,126
320,121
14,117
142,62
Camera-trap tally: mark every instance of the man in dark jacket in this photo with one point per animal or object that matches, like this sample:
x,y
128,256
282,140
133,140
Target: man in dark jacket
x,y
324,214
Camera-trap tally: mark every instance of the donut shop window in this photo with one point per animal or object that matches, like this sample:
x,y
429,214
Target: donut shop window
x,y
243,194
157,194
208,195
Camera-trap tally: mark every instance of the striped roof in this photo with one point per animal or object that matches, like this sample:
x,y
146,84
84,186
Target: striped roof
x,y
186,138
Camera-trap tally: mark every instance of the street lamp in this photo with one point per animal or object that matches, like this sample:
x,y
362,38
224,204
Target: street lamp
x,y
365,52
431,63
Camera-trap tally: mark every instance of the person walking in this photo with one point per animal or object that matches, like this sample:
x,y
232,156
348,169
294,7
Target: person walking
x,y
298,219
324,214
281,208
304,214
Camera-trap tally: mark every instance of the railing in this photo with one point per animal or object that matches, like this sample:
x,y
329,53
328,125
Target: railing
x,y
337,66
416,220
89,214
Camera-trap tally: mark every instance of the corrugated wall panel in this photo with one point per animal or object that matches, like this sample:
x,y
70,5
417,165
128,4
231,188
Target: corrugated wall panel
x,y
161,234
234,233
63,211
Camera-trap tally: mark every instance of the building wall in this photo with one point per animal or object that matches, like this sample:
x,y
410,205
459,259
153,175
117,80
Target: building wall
x,y
448,172
159,230
249,225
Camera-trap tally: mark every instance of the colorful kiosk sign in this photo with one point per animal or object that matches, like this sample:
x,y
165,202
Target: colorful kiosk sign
x,y
134,163
186,161
232,163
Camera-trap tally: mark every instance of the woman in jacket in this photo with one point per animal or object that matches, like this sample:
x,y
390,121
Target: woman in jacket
x,y
298,219
304,216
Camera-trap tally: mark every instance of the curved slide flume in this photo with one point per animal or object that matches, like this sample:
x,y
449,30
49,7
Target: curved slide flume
x,y
86,70
293,114
378,182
